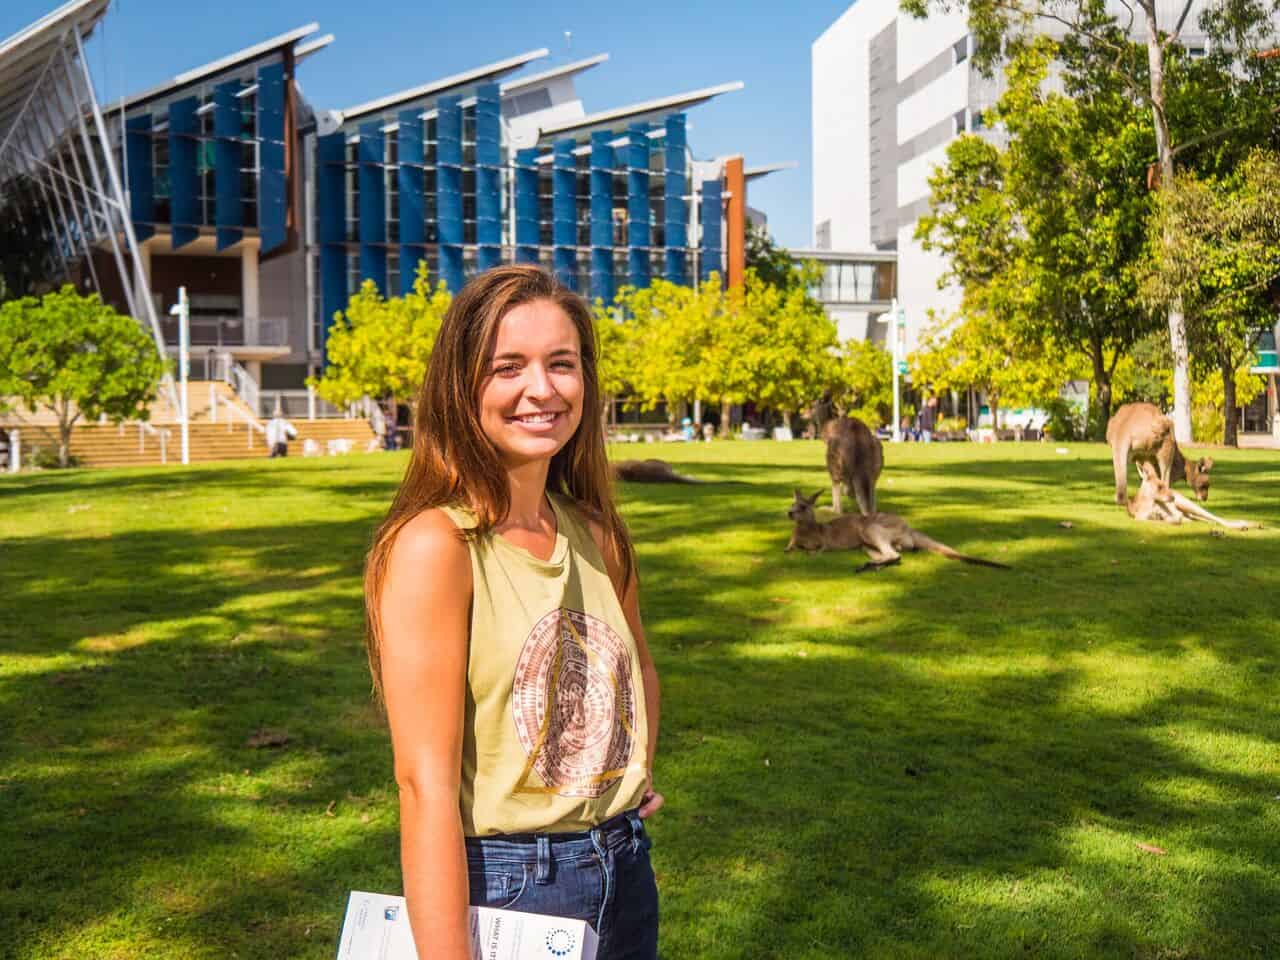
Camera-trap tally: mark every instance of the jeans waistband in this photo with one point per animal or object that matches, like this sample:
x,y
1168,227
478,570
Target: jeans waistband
x,y
540,848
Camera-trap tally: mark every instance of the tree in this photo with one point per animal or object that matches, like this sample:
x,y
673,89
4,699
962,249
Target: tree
x,y
77,357
772,264
1048,232
1221,259
983,351
1098,54
379,347
863,382
785,339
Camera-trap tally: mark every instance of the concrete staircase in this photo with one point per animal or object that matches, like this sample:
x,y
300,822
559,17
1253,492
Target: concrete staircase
x,y
228,437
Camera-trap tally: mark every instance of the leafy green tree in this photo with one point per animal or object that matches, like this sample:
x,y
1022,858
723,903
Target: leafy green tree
x,y
772,264
77,357
1048,233
1098,55
1221,257
379,346
785,340
863,382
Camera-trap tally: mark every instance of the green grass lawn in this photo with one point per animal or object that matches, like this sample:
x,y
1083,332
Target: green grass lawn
x,y
1078,758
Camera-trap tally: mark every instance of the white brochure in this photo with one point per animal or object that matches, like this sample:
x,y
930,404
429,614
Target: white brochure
x,y
376,927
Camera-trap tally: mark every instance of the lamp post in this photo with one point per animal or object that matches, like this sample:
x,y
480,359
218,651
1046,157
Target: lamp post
x,y
897,320
182,310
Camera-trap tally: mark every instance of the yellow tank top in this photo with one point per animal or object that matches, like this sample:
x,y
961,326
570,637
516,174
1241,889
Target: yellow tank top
x,y
555,737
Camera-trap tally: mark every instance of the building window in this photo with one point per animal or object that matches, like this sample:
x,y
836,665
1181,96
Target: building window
x,y
958,122
960,50
976,120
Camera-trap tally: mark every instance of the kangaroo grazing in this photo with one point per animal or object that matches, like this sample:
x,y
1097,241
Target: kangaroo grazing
x,y
649,471
855,458
1156,500
881,535
1140,433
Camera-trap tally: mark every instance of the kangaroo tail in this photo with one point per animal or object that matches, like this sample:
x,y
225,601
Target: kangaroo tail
x,y
923,542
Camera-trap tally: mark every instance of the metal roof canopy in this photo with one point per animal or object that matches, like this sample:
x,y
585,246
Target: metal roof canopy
x,y
488,72
582,127
27,55
223,64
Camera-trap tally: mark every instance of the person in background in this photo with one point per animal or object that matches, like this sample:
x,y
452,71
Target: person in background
x,y
279,432
929,419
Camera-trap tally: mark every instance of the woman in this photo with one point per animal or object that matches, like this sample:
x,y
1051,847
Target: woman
x,y
505,636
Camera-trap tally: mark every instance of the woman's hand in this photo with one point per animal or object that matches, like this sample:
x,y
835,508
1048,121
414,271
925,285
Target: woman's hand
x,y
651,802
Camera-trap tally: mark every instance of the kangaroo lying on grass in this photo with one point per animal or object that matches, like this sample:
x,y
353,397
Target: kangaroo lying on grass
x,y
1156,500
649,471
855,458
1140,433
881,535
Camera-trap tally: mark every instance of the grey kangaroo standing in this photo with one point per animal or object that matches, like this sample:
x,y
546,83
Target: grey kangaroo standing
x,y
854,460
1139,433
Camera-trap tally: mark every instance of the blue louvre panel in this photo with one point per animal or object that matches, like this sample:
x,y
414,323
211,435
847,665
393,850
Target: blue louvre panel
x,y
273,188
564,205
184,177
449,189
411,181
373,206
488,176
639,231
675,212
602,216
228,211
527,206
331,216
709,215
142,196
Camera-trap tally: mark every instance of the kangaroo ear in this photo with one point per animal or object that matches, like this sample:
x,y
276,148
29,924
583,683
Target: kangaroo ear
x,y
1146,469
1205,464
799,495
814,498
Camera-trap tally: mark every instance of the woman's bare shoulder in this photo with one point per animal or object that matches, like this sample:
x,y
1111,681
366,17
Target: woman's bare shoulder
x,y
431,542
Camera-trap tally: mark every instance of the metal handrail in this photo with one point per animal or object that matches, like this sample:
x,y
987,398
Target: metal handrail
x,y
250,423
144,428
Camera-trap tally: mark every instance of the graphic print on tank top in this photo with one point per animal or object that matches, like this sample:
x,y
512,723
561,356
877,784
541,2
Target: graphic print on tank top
x,y
574,706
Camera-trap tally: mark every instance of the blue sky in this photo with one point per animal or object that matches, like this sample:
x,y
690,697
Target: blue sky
x,y
386,45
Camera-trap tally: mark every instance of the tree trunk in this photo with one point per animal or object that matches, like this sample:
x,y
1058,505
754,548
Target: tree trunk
x,y
1102,378
1229,435
994,403
1164,151
65,423
724,417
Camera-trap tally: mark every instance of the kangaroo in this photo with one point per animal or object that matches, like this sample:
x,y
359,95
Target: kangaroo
x,y
1139,432
854,460
881,535
1156,500
649,471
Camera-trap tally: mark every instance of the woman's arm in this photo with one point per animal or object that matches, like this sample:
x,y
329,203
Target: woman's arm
x,y
425,617
629,598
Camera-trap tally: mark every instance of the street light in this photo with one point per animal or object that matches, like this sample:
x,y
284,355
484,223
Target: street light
x,y
897,318
182,310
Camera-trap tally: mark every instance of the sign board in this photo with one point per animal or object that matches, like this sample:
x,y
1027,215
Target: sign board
x,y
902,366
376,927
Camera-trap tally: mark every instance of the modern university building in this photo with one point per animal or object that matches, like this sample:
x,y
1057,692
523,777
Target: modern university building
x,y
890,92
271,211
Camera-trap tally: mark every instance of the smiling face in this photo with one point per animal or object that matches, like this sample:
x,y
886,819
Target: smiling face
x,y
532,394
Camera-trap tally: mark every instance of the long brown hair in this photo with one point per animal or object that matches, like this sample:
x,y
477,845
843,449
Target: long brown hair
x,y
454,462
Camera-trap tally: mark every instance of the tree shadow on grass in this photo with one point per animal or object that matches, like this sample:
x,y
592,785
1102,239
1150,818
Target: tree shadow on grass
x,y
947,777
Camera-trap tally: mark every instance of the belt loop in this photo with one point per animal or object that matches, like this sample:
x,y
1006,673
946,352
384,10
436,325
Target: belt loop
x,y
637,829
543,874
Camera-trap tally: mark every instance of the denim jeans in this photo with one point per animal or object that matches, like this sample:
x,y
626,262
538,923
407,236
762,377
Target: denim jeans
x,y
602,876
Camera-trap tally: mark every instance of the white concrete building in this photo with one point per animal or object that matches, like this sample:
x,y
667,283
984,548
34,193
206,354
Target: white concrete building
x,y
890,92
